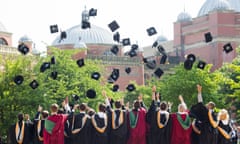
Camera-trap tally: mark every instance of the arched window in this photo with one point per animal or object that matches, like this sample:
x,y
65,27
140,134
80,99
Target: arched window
x,y
3,41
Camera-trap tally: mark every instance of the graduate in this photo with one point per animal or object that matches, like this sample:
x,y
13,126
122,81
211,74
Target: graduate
x,y
206,120
224,127
159,121
81,126
137,123
21,132
100,127
39,120
181,125
117,120
54,126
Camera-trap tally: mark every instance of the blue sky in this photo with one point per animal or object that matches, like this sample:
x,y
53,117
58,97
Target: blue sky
x,y
33,17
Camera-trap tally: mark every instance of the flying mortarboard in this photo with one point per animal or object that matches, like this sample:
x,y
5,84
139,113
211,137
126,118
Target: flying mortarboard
x,y
53,60
114,49
208,37
227,47
86,24
75,97
54,28
115,88
151,31
116,37
188,64
130,87
201,64
158,72
63,35
92,12
96,75
163,59
134,47
80,62
154,44
34,84
45,66
54,75
126,42
128,70
91,93
151,64
113,26
18,79
23,48
115,74
161,49
191,57
145,60
132,53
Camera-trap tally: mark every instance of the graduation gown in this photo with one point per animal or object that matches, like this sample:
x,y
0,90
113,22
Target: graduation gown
x,y
181,128
225,131
206,122
80,130
118,130
137,126
99,130
38,129
21,132
53,132
160,125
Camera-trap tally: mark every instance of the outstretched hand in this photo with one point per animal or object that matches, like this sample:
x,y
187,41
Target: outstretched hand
x,y
40,108
199,88
180,98
140,97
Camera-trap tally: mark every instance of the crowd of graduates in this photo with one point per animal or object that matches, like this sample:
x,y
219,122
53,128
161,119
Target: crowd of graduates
x,y
116,123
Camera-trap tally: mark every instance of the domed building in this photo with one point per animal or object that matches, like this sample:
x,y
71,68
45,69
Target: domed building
x,y
220,18
97,43
184,16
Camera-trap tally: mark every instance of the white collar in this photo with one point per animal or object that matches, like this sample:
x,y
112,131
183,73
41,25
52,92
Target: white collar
x,y
101,114
225,122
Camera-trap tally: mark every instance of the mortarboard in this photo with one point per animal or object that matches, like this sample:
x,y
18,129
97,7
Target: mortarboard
x,y
75,97
54,28
114,49
113,26
151,64
188,64
34,84
163,59
92,12
161,49
18,79
86,24
96,75
63,35
191,57
227,47
45,66
115,88
23,48
126,42
91,93
116,37
145,60
130,87
115,74
151,31
158,72
80,62
154,44
54,75
128,70
132,53
134,47
201,64
208,37
53,60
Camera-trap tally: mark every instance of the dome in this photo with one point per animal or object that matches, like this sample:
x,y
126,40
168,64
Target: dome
x,y
235,4
161,38
184,16
25,38
94,35
2,28
212,5
80,44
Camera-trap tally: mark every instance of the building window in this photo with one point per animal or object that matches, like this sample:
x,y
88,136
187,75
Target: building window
x,y
3,41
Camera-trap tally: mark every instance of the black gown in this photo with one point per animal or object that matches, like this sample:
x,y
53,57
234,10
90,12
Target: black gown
x,y
158,135
81,129
228,129
38,129
118,131
28,133
208,134
99,130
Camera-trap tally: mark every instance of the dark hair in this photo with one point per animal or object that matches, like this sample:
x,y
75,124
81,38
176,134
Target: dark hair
x,y
20,116
118,104
136,104
45,114
163,106
82,107
102,108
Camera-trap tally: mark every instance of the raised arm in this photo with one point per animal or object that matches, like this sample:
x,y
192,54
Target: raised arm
x,y
182,101
199,89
